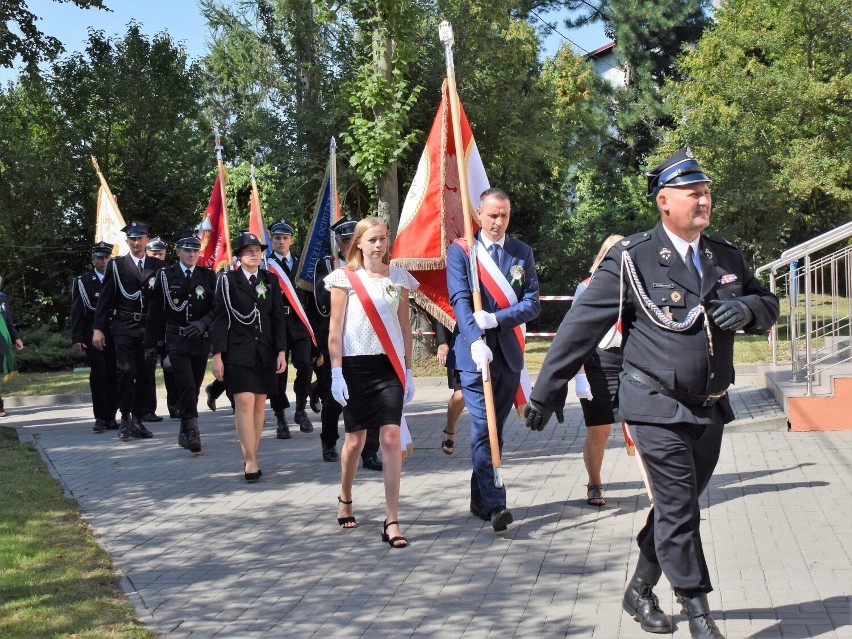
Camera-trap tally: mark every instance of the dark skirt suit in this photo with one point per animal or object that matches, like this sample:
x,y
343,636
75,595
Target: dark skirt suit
x,y
249,347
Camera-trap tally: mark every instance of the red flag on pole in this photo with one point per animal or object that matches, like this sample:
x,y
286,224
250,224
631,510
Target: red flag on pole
x,y
432,215
215,247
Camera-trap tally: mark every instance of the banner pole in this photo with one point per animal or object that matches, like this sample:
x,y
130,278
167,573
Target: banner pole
x,y
445,32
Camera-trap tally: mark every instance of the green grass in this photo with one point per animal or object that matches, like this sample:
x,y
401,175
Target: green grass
x,y
52,383
55,581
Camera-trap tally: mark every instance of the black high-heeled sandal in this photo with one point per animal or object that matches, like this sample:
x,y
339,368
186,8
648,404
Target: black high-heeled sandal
x,y
342,521
392,540
448,445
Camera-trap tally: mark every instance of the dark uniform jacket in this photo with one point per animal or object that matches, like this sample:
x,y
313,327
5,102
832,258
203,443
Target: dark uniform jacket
x,y
259,342
322,302
680,360
295,329
170,293
122,311
85,293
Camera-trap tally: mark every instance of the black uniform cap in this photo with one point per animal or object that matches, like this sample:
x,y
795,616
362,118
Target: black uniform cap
x,y
281,227
102,249
135,229
245,239
679,168
155,244
345,225
189,240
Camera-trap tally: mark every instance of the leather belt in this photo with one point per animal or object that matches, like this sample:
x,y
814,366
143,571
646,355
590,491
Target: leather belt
x,y
126,315
705,401
176,330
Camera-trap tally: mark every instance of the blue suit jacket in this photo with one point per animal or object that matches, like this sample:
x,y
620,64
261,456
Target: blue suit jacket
x,y
528,306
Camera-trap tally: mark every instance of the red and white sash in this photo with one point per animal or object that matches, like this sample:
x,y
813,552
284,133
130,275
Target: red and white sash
x,y
290,293
498,287
381,316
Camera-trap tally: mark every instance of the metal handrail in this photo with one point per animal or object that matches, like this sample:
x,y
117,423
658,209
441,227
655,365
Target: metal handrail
x,y
810,246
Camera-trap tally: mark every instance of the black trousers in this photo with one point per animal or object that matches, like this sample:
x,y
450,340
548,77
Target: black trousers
x,y
331,412
132,374
102,380
299,355
168,379
187,373
679,460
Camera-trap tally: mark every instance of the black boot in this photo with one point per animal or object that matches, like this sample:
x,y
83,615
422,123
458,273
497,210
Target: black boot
x,y
697,610
283,431
138,429
301,417
316,401
183,435
193,436
641,602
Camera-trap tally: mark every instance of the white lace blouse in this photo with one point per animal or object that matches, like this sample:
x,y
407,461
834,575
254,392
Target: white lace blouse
x,y
359,338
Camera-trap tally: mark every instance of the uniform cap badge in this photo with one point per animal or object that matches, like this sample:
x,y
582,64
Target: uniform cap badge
x,y
676,297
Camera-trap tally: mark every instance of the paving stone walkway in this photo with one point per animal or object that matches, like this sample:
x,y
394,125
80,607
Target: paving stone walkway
x,y
204,554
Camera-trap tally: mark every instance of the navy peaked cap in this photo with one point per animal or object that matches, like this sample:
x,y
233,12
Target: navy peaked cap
x,y
679,168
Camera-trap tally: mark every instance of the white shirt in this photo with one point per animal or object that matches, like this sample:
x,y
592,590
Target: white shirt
x,y
286,259
248,275
682,246
359,338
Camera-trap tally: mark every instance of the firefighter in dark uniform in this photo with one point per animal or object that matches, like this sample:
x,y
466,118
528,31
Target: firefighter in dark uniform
x,y
156,247
298,338
121,310
85,292
343,230
685,295
180,316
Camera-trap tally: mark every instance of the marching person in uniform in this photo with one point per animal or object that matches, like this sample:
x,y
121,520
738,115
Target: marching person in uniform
x,y
489,336
249,343
9,337
681,296
156,247
343,230
298,337
85,292
180,316
121,310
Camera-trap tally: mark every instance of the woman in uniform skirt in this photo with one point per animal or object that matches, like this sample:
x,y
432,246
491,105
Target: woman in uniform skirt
x,y
597,387
249,343
367,360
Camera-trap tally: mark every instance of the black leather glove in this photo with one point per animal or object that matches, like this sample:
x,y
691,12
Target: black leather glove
x,y
151,354
732,315
194,329
537,416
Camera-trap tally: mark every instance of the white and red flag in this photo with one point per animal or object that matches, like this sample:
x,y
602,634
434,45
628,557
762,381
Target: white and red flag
x,y
432,215
108,220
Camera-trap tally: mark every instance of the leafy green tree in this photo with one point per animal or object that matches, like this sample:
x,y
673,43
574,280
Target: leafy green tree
x,y
765,105
29,43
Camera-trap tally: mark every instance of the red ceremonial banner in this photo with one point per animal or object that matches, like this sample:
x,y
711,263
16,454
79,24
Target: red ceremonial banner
x,y
432,214
215,251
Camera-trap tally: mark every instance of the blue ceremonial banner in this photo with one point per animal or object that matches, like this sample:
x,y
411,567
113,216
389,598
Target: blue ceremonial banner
x,y
318,243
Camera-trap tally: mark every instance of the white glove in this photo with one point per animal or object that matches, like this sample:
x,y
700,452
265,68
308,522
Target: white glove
x,y
485,320
338,386
409,386
581,386
481,354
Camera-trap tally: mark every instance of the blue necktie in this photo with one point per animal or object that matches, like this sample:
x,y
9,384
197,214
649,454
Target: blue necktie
x,y
494,251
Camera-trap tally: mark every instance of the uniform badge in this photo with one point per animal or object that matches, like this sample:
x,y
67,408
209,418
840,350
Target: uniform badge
x,y
708,254
199,292
625,242
517,273
97,293
665,254
728,278
676,297
260,289
151,282
175,301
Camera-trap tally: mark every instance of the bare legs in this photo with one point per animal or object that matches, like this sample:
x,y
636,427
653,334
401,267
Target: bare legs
x,y
353,443
249,410
593,451
455,406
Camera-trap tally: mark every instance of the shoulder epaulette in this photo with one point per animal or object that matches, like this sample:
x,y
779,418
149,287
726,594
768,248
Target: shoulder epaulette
x,y
632,240
717,238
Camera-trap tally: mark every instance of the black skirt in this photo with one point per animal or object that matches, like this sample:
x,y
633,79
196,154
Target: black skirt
x,y
249,379
602,370
375,393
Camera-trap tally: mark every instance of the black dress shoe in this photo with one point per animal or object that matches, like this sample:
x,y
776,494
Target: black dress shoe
x,y
100,425
253,477
111,424
151,417
301,418
372,462
211,400
141,432
478,510
500,519
329,454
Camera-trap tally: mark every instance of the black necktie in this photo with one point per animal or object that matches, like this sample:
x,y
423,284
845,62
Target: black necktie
x,y
139,264
188,274
494,251
690,265
253,279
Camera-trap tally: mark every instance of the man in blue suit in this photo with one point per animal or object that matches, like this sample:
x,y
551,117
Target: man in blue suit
x,y
489,336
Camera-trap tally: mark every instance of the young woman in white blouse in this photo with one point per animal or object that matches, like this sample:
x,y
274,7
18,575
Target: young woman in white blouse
x,y
370,346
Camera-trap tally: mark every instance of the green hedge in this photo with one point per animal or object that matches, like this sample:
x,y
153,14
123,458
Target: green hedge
x,y
47,350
